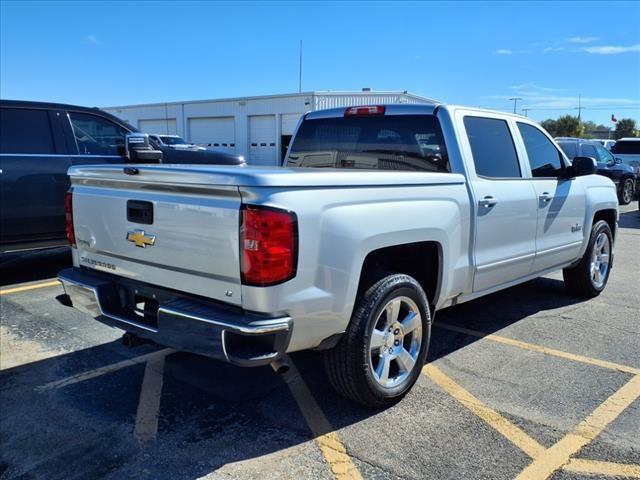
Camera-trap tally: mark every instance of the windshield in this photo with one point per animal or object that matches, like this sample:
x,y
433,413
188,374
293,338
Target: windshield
x,y
173,141
386,142
626,146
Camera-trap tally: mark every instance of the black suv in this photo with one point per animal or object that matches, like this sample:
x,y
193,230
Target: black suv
x,y
38,143
622,175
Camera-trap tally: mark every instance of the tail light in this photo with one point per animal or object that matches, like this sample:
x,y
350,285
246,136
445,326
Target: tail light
x,y
68,217
269,245
363,111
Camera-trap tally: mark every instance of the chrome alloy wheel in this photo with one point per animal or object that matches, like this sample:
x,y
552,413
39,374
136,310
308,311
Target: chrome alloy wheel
x,y
627,191
600,258
395,342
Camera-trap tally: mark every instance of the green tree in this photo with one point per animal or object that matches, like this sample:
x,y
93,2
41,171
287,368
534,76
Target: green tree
x,y
626,127
550,125
568,126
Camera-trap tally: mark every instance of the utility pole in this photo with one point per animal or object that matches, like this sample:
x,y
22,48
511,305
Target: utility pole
x,y
300,71
526,111
515,102
579,107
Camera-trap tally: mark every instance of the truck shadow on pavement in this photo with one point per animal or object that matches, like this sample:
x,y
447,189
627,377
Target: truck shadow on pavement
x,y
210,414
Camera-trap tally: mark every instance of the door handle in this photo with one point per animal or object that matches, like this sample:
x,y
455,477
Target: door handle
x,y
488,201
545,197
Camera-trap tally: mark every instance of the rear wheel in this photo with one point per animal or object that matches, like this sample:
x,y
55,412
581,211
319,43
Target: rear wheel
x,y
590,276
382,353
626,192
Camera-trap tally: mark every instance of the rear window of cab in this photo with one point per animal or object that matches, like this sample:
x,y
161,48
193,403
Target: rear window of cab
x,y
376,142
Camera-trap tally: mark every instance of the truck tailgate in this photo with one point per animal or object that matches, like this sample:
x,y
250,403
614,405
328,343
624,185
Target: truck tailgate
x,y
175,236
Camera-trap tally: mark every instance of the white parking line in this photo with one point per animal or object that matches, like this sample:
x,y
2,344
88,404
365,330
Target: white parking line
x,y
149,404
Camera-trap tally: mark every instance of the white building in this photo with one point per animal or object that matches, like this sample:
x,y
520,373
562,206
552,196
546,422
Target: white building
x,y
259,128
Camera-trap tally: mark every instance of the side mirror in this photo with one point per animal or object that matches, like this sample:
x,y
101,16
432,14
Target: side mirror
x,y
138,149
582,166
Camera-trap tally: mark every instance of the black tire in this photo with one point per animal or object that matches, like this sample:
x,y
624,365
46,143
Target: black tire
x,y
348,364
627,190
578,279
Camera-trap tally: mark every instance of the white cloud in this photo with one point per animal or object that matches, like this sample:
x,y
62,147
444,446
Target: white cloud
x,y
611,50
532,90
553,49
540,98
556,101
92,39
506,51
582,39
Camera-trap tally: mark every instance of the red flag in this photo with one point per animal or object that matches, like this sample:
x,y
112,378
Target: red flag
x,y
613,118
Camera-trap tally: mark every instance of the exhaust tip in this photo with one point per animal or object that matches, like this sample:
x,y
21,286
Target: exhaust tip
x,y
280,367
65,300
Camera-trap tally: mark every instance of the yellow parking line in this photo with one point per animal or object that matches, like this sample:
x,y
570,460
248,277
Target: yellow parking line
x,y
510,431
81,377
540,349
559,454
327,439
595,467
7,291
149,403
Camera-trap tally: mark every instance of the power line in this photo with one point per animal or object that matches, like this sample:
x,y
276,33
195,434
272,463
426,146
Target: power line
x,y
601,107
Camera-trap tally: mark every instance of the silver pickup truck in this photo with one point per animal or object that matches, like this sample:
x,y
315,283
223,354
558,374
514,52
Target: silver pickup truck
x,y
381,216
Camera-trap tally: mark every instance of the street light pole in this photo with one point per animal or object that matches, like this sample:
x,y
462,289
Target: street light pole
x,y
515,102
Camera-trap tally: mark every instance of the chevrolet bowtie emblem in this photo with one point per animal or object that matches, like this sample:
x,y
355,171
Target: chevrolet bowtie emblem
x,y
141,239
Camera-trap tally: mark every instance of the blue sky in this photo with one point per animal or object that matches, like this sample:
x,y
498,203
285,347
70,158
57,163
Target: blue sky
x,y
480,54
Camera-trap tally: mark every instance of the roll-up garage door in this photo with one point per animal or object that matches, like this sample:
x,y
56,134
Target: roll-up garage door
x,y
161,126
262,140
215,133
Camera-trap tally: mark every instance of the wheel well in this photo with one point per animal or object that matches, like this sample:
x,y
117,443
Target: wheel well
x,y
608,216
420,260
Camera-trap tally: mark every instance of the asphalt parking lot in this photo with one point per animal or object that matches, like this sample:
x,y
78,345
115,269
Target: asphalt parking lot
x,y
526,383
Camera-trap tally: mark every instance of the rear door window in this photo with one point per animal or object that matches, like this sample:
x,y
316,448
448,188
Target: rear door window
x,y
96,135
386,142
494,153
24,130
589,151
545,159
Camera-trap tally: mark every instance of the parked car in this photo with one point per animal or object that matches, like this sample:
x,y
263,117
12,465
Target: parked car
x,y
622,175
38,143
628,150
606,143
173,141
350,249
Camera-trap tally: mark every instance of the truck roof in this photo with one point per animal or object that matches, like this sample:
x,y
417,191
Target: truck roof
x,y
407,109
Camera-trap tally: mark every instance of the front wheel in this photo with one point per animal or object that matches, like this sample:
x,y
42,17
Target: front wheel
x,y
626,192
385,346
589,277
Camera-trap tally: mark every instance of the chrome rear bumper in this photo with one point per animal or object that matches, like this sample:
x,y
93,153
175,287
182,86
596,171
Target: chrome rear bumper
x,y
178,320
